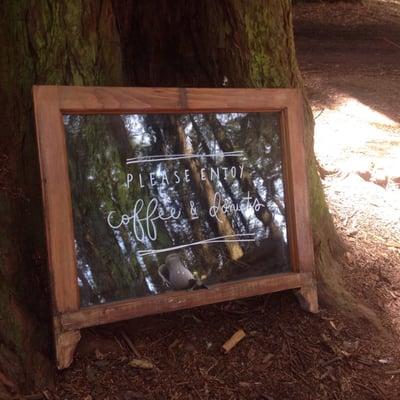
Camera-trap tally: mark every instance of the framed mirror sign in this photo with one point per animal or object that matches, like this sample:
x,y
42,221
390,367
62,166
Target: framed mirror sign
x,y
159,199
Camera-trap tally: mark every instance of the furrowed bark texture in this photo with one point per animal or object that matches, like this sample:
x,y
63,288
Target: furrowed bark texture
x,y
206,43
41,42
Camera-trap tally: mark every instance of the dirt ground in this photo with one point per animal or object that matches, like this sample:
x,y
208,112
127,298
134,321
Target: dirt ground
x,y
349,55
351,68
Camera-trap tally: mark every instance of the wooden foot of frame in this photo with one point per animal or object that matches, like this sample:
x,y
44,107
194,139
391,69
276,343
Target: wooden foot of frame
x,y
66,343
308,297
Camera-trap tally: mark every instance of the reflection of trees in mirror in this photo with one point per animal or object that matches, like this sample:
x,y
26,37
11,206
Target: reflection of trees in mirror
x,y
97,150
219,186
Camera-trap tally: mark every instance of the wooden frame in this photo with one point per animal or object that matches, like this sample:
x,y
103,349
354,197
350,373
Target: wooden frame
x,y
51,102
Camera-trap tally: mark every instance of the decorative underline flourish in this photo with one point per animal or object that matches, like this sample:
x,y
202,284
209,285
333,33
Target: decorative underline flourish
x,y
240,237
166,157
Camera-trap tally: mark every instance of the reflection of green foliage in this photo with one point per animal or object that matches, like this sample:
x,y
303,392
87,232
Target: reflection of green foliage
x,y
98,146
97,172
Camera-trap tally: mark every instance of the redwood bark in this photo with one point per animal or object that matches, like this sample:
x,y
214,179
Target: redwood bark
x,y
41,42
234,43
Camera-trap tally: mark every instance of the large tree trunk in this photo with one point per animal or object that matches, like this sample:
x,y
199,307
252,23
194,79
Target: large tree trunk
x,y
41,42
234,43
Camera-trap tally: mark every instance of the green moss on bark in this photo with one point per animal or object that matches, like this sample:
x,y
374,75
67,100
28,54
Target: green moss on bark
x,y
41,42
273,64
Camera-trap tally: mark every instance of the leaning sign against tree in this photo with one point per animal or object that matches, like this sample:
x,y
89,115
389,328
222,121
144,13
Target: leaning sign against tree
x,y
137,209
117,43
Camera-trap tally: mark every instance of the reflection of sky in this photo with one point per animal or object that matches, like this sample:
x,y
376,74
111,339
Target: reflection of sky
x,y
142,264
84,267
147,278
136,131
225,118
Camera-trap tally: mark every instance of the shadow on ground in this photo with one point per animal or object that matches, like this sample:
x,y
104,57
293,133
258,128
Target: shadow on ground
x,y
351,49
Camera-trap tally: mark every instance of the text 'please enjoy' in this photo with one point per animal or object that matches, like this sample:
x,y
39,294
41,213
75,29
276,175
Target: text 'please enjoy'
x,y
175,177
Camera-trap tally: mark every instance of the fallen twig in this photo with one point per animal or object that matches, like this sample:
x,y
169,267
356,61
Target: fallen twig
x,y
7,382
319,114
233,340
333,360
393,372
34,396
142,364
391,42
367,388
130,344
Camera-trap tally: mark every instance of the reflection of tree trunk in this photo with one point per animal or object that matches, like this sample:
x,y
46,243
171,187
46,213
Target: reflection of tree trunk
x,y
264,215
114,277
227,188
116,127
206,254
88,295
224,225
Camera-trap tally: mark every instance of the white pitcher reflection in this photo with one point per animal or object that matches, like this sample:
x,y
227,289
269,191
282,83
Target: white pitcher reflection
x,y
176,276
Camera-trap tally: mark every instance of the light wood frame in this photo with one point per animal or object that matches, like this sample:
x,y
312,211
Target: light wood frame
x,y
51,102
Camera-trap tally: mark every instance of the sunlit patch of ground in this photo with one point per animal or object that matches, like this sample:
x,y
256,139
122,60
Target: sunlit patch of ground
x,y
350,65
362,146
353,138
